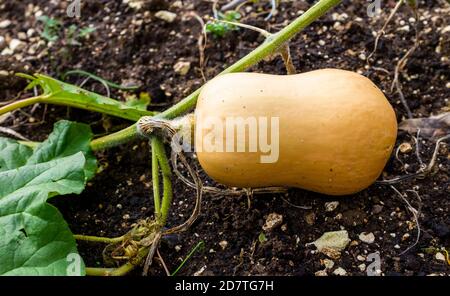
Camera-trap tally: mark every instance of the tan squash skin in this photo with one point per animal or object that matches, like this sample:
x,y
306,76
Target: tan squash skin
x,y
337,130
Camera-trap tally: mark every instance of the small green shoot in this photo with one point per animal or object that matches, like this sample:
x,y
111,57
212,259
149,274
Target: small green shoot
x,y
74,34
51,28
197,247
219,29
262,238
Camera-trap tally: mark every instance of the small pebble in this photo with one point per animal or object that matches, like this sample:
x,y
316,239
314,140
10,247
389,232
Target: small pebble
x,y
405,147
16,45
22,35
223,244
331,206
367,238
362,267
5,24
440,257
273,220
166,16
182,67
321,273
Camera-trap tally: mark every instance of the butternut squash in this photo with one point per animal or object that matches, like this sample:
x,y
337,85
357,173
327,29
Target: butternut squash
x,y
336,130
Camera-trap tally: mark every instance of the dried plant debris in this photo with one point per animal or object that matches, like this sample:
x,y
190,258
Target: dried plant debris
x,y
430,127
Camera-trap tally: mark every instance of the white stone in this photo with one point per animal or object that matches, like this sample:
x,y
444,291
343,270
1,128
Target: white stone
x,y
166,16
340,271
331,206
362,267
273,220
367,238
7,51
440,257
223,244
16,45
321,273
337,240
22,35
5,24
182,67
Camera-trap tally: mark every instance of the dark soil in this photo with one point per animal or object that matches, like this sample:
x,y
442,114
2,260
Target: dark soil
x,y
133,46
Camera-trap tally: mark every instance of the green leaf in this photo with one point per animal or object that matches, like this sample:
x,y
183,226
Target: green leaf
x,y
61,93
219,29
84,32
12,154
51,28
34,238
232,16
262,238
66,139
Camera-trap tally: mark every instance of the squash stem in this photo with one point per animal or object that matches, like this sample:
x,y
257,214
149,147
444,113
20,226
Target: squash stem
x,y
158,147
20,104
115,139
99,239
155,179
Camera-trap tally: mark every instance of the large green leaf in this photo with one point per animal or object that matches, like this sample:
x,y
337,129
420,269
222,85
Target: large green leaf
x,y
12,154
34,238
61,93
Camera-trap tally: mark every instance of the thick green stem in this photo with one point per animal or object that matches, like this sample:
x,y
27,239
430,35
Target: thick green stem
x,y
20,104
115,139
155,180
158,148
99,239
